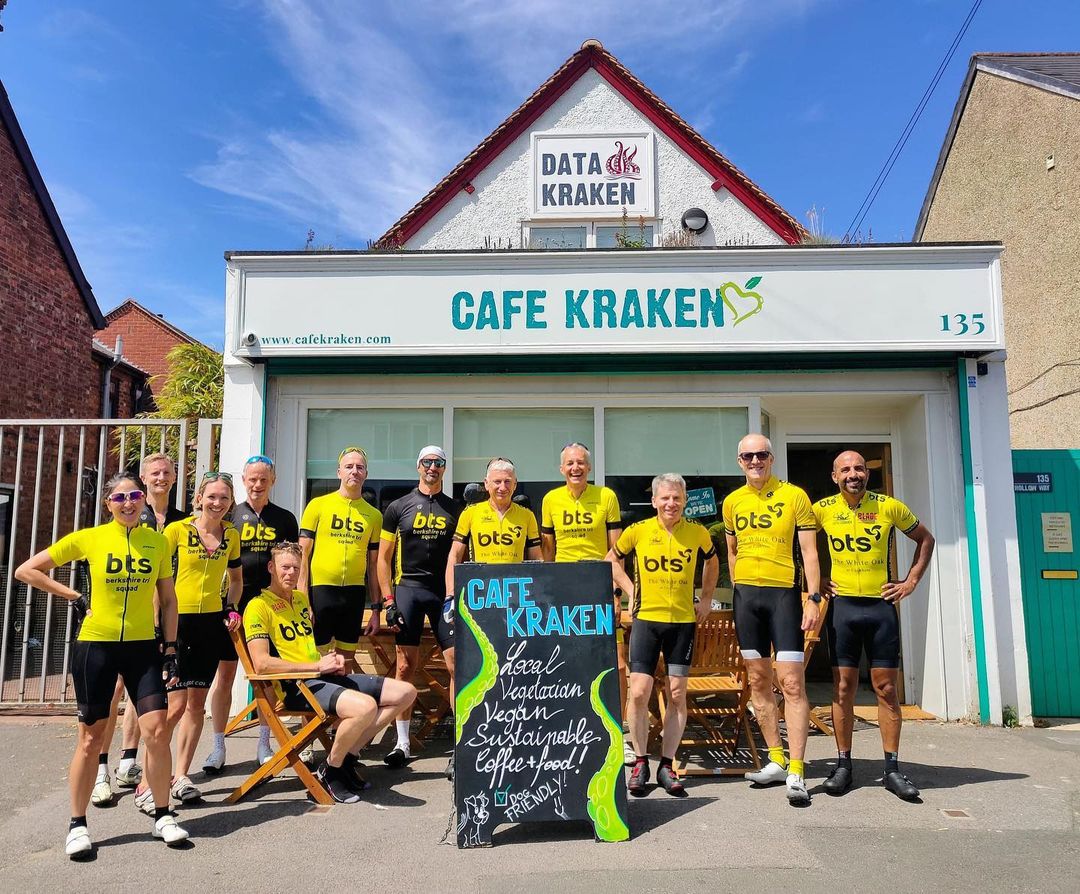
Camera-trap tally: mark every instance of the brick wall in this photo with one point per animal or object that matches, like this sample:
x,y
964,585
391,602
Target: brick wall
x,y
48,371
146,341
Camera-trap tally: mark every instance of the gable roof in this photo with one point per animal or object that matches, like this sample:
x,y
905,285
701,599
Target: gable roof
x,y
593,55
22,150
130,305
102,350
1053,72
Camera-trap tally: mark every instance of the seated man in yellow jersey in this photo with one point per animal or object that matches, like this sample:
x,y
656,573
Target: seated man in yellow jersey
x,y
338,532
278,629
763,522
497,531
582,521
858,526
667,550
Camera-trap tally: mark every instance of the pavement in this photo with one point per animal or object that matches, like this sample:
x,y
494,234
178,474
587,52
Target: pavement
x,y
1018,827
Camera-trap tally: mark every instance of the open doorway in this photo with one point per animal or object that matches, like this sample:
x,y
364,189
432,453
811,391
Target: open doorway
x,y
810,467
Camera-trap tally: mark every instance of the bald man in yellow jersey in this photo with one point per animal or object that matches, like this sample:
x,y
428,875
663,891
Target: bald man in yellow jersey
x,y
858,526
763,522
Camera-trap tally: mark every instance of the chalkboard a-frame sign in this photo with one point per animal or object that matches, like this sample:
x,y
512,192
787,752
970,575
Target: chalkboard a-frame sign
x,y
539,731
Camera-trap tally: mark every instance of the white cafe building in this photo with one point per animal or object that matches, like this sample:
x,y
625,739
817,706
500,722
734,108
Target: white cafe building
x,y
517,309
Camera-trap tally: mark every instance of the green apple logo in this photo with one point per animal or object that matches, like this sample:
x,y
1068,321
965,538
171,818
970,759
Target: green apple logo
x,y
742,302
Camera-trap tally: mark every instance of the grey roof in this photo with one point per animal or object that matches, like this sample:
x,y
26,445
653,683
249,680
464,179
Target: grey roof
x,y
1055,72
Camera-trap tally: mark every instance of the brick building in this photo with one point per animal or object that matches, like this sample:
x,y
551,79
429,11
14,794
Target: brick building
x,y
147,339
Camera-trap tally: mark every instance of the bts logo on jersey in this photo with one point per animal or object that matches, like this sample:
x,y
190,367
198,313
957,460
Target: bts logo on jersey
x,y
250,532
128,564
760,520
350,526
577,517
433,522
505,538
675,564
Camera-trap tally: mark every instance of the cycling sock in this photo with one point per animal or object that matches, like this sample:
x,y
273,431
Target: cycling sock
x,y
128,754
665,761
77,821
891,762
159,812
219,741
402,734
103,766
641,759
103,759
776,755
844,759
264,735
797,767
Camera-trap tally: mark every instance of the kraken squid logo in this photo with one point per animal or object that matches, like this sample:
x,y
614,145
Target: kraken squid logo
x,y
620,166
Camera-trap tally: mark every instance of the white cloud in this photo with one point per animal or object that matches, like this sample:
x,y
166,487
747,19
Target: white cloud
x,y
401,92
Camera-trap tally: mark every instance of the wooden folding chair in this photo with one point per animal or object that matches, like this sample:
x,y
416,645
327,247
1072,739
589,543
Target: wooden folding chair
x,y
314,725
717,693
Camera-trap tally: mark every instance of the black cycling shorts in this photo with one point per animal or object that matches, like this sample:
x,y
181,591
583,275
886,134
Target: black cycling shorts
x,y
855,623
417,603
202,640
769,619
95,667
648,639
327,690
339,615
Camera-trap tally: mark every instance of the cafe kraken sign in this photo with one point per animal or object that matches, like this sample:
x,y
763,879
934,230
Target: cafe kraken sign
x,y
593,176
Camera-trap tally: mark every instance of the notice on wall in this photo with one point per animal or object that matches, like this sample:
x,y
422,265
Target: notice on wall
x,y
538,717
1057,532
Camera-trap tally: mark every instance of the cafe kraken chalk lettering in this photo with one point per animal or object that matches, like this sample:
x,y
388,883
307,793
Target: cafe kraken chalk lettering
x,y
628,309
538,720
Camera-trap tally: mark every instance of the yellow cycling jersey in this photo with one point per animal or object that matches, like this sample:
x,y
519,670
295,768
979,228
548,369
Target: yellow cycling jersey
x,y
860,539
494,539
344,532
580,527
125,566
286,623
664,568
200,574
765,524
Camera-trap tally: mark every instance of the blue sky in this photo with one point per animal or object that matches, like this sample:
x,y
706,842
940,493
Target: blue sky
x,y
170,133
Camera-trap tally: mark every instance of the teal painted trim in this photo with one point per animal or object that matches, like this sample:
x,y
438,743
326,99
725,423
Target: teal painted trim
x,y
606,364
972,542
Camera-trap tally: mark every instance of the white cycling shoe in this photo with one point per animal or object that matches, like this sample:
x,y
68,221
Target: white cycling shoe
x,y
215,762
102,794
169,830
797,794
78,842
771,774
264,752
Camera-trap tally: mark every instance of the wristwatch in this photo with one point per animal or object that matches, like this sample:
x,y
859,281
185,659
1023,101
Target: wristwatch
x,y
814,597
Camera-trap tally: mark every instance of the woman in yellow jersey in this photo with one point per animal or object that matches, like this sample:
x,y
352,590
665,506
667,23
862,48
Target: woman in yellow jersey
x,y
206,550
129,567
338,533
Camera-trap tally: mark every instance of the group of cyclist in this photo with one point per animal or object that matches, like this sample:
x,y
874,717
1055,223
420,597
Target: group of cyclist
x,y
168,589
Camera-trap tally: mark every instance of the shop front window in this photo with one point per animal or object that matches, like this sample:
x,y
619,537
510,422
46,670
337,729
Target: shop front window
x,y
556,237
531,438
698,443
633,235
390,437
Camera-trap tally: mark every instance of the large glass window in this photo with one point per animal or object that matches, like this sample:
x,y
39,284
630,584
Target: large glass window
x,y
634,235
390,437
531,438
696,442
556,237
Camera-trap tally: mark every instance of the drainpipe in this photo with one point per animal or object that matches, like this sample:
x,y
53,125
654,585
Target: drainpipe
x,y
115,362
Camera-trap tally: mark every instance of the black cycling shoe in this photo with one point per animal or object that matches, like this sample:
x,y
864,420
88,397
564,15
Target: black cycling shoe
x,y
668,779
897,783
336,785
639,778
839,782
396,757
353,777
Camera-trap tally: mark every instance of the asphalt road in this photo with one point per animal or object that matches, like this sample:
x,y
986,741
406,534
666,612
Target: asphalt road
x,y
1020,790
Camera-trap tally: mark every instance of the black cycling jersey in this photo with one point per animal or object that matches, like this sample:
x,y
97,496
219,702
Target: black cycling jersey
x,y
148,518
423,526
259,533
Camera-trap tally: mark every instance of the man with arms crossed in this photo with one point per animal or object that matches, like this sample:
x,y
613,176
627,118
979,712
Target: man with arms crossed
x,y
337,533
496,530
667,550
858,525
417,532
582,521
278,629
763,521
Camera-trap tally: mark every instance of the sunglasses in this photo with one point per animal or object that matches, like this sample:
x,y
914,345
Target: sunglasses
x,y
574,444
428,462
359,450
132,496
214,476
755,454
259,458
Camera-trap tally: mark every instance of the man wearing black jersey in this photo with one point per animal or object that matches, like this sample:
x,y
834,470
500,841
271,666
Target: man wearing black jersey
x,y
416,537
262,526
